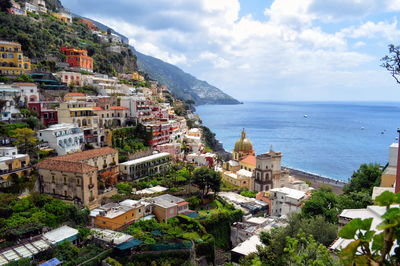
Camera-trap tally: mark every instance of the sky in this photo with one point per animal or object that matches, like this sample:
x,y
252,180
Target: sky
x,y
285,50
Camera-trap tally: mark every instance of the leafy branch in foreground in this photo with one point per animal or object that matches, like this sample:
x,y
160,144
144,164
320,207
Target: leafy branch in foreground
x,y
370,247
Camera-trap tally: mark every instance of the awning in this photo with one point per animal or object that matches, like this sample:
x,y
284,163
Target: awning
x,y
129,244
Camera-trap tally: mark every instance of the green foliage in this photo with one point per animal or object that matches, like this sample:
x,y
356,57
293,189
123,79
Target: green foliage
x,y
7,129
124,188
25,140
209,138
21,262
39,210
322,202
364,179
304,250
45,36
369,246
194,202
130,139
275,241
207,179
112,262
249,194
24,78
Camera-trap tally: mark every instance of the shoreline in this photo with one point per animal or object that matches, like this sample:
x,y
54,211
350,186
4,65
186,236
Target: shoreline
x,y
314,179
317,181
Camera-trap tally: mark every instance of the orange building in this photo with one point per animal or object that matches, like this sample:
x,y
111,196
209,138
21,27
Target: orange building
x,y
78,58
89,24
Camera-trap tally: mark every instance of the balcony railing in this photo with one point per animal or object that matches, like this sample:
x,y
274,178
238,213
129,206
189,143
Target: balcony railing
x,y
5,172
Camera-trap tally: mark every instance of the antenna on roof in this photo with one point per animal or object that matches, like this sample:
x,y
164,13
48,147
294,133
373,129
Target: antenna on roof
x,y
270,148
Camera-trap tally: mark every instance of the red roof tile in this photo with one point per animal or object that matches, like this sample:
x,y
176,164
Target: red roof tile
x,y
96,108
75,94
24,84
118,108
249,159
74,167
85,155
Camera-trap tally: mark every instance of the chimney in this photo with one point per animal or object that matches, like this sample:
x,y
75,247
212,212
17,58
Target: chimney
x,y
397,188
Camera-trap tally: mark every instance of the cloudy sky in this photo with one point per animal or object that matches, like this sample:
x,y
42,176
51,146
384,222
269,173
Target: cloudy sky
x,y
265,49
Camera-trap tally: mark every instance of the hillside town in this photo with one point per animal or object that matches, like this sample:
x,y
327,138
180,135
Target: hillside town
x,y
110,168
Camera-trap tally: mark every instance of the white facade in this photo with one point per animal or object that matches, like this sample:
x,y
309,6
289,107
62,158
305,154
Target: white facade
x,y
286,201
29,91
64,138
8,151
7,93
201,159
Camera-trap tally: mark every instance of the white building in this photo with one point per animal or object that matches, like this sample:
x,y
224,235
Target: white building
x,y
29,91
374,212
145,166
286,201
64,138
8,94
204,159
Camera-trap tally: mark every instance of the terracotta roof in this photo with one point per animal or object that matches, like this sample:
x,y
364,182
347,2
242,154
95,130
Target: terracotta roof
x,y
74,167
85,155
75,94
25,84
96,108
118,108
249,159
182,203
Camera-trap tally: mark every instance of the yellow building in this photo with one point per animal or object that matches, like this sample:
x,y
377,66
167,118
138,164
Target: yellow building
x,y
248,163
12,165
137,76
243,147
12,60
63,16
241,178
114,216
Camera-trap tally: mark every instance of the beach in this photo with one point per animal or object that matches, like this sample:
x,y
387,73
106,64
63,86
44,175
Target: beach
x,y
316,181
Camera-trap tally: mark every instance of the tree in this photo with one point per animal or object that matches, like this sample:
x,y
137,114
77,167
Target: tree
x,y
392,62
25,140
364,179
5,5
322,202
25,78
304,250
207,179
373,247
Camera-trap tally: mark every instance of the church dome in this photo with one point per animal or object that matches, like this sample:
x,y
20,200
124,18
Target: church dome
x,y
243,144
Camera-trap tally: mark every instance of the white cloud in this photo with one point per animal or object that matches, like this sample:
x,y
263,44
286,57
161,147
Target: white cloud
x,y
291,55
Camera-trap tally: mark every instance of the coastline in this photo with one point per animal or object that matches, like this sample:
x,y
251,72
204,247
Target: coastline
x,y
315,180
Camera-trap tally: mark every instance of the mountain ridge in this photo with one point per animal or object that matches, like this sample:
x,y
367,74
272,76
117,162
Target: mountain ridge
x,y
183,85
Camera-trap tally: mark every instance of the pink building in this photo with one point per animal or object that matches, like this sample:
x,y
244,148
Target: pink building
x,y
172,148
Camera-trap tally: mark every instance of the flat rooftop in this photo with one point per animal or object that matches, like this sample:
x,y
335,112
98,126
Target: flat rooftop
x,y
146,159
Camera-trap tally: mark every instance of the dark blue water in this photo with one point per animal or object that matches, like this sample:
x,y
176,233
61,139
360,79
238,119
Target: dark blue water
x,y
330,142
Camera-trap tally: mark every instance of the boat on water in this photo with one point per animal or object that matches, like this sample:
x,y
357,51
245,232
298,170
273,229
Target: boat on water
x,y
305,116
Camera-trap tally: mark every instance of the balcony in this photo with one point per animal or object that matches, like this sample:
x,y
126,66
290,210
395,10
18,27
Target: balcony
x,y
5,172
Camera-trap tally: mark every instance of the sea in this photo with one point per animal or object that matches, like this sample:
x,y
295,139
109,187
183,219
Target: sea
x,y
331,139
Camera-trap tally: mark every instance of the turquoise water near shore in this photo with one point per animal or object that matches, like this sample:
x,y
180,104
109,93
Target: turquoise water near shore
x,y
333,140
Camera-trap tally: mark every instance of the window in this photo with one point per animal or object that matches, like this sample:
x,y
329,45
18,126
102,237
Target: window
x,y
52,179
78,181
65,180
54,191
65,193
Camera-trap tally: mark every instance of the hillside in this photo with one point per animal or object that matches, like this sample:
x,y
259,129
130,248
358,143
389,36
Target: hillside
x,y
182,85
42,36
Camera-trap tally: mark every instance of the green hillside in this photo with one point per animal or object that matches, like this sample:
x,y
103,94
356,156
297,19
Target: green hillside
x,y
42,36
